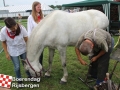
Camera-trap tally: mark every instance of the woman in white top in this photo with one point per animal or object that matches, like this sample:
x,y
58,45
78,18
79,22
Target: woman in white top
x,y
14,38
34,19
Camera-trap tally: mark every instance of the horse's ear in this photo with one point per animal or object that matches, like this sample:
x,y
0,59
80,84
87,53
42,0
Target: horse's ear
x,y
24,62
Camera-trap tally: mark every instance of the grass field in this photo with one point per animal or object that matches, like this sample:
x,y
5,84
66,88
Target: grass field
x,y
75,69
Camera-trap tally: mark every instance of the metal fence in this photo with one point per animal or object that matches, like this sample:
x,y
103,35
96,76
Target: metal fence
x,y
15,14
1,49
23,14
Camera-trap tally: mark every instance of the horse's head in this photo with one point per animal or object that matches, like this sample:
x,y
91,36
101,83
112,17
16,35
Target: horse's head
x,y
34,68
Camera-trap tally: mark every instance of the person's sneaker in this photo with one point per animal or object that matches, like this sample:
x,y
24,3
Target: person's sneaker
x,y
98,82
29,77
20,84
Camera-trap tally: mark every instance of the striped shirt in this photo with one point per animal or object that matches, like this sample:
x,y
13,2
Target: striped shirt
x,y
100,38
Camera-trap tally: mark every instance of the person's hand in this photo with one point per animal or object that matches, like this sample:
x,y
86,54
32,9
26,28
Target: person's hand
x,y
83,62
8,56
94,59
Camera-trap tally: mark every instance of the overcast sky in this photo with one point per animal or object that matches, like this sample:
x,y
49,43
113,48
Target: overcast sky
x,y
29,2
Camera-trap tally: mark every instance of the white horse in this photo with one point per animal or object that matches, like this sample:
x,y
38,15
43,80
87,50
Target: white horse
x,y
57,31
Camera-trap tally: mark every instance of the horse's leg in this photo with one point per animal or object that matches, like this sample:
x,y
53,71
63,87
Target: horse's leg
x,y
51,54
62,51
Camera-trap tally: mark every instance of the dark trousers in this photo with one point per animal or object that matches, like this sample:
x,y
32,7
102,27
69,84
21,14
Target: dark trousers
x,y
41,59
99,68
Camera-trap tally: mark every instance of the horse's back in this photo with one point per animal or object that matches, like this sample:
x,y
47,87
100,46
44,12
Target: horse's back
x,y
65,28
98,18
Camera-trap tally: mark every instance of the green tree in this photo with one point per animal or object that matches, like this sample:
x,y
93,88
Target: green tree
x,y
52,6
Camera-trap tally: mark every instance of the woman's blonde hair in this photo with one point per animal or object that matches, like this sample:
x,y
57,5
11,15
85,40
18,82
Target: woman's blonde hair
x,y
34,11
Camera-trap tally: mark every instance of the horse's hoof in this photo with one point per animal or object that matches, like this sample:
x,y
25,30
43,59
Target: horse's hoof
x,y
47,76
62,82
44,70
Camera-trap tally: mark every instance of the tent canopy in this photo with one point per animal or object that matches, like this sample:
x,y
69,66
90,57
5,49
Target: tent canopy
x,y
89,3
